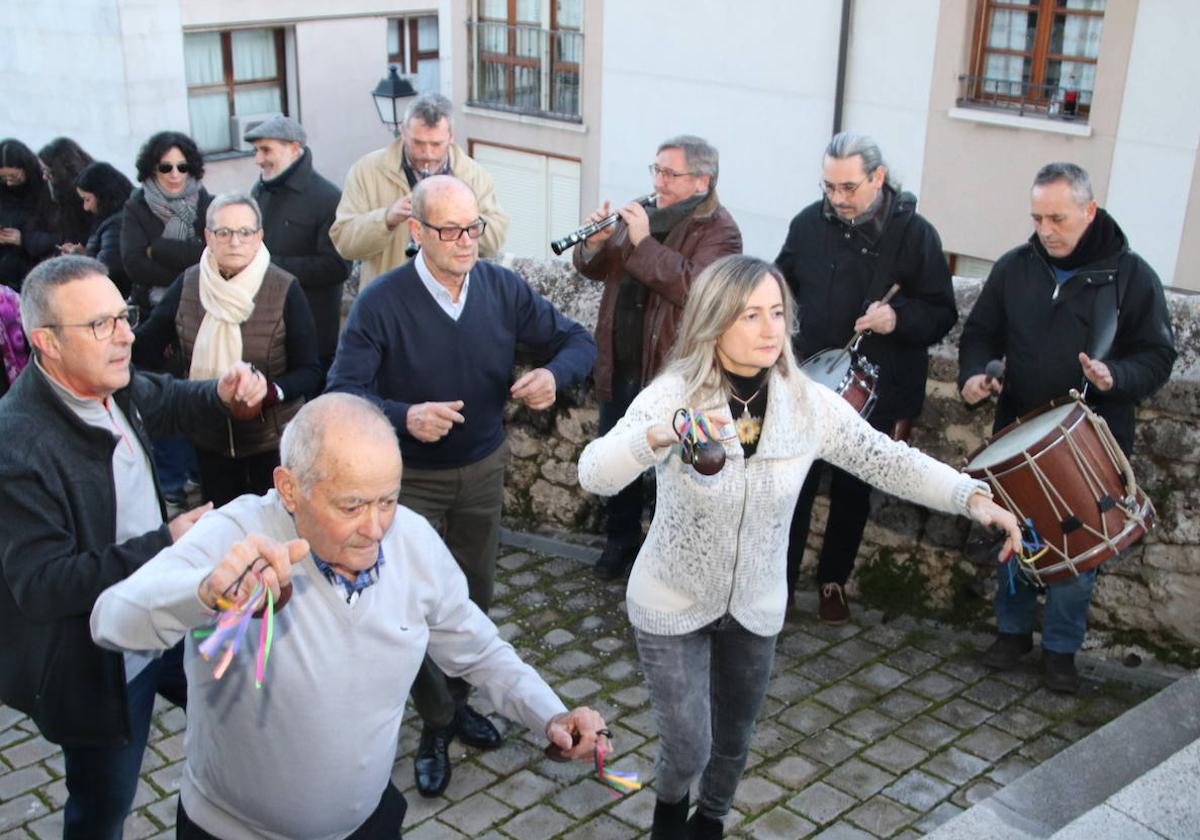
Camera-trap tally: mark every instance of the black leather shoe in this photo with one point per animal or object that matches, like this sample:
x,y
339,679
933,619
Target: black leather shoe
x,y
670,820
475,730
432,764
614,561
1058,671
704,827
1007,650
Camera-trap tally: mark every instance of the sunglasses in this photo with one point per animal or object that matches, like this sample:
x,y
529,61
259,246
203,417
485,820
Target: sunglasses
x,y
183,168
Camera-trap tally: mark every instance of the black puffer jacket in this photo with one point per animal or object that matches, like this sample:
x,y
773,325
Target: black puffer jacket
x,y
298,208
58,549
834,270
1023,315
105,245
150,260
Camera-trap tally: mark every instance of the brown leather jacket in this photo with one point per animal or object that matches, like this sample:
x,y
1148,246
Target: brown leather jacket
x,y
667,269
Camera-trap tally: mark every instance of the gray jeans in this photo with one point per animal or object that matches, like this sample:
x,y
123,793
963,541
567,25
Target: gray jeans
x,y
706,688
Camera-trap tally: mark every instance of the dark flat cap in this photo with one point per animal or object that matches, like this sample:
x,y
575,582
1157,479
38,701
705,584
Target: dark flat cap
x,y
278,127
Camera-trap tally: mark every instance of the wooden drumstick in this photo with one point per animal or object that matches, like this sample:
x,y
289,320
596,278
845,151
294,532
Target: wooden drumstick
x,y
891,293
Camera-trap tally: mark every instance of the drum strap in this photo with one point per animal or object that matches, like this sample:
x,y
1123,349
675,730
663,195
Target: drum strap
x,y
886,266
1106,310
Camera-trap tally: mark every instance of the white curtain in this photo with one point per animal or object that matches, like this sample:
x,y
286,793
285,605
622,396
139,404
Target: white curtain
x,y
394,46
1081,36
569,14
494,9
1005,74
253,55
1009,30
247,101
427,33
209,115
202,58
428,76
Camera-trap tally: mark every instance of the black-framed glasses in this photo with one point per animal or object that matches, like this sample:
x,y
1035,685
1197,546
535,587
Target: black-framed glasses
x,y
224,234
668,174
831,189
182,168
103,328
452,233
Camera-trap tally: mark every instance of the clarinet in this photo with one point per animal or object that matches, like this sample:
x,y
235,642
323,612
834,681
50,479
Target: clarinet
x,y
572,239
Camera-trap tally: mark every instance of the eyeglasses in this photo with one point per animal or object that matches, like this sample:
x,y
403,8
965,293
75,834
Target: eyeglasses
x,y
224,234
181,168
103,328
452,233
847,189
668,174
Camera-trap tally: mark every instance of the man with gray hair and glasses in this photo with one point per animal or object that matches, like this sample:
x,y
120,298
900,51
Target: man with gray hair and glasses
x,y
842,255
1071,308
82,510
372,588
372,218
647,262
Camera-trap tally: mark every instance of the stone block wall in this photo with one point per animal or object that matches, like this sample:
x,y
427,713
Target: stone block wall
x,y
913,560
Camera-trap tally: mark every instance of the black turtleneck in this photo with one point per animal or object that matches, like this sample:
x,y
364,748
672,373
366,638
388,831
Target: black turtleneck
x,y
754,390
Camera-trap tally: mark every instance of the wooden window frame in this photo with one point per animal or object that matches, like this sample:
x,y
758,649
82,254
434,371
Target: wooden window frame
x,y
228,86
408,64
1039,57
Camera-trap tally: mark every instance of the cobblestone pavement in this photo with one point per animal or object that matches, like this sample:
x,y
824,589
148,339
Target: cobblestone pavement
x,y
869,730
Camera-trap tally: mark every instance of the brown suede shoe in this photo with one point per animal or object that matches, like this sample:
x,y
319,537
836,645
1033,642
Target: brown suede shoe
x,y
833,609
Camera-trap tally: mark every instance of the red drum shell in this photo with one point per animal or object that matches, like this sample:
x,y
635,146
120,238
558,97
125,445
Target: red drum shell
x,y
853,377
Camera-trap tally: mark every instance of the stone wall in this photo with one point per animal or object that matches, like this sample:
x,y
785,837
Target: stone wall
x,y
913,560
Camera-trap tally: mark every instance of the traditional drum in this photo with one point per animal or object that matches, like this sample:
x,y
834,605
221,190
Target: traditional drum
x,y
846,372
1060,471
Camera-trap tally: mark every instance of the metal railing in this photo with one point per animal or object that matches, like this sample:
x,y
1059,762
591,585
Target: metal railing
x,y
525,69
1057,102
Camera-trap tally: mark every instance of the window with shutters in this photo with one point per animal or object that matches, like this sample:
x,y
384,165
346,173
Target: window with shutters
x,y
233,77
541,195
1035,57
526,56
413,46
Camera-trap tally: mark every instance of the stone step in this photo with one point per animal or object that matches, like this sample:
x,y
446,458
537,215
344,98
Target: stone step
x,y
1132,778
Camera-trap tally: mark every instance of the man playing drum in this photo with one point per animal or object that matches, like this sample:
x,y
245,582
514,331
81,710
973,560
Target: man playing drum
x,y
842,255
1070,308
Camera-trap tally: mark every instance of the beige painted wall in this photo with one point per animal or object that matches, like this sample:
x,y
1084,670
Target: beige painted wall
x,y
579,142
1187,268
975,180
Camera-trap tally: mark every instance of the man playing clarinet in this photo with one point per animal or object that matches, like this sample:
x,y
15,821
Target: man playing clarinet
x,y
647,262
842,255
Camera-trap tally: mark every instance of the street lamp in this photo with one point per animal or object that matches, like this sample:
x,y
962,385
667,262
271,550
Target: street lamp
x,y
388,94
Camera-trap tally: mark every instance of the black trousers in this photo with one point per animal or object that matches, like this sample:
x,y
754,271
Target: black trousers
x,y
383,824
849,508
223,479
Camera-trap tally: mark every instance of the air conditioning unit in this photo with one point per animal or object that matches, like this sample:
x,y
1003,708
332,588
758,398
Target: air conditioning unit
x,y
239,124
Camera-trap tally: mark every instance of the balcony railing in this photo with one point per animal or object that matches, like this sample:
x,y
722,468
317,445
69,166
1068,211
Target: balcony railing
x,y
525,69
1054,102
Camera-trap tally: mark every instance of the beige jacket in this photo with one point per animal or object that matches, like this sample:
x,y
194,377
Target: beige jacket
x,y
374,183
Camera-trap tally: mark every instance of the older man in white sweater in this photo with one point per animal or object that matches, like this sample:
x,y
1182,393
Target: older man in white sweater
x,y
309,756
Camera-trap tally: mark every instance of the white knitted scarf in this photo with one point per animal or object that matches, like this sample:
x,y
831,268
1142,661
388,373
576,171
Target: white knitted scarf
x,y
227,304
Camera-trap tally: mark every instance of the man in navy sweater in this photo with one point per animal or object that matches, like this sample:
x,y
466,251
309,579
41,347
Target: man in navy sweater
x,y
433,343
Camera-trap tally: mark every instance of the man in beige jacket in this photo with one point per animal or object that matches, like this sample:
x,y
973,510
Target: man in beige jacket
x,y
370,225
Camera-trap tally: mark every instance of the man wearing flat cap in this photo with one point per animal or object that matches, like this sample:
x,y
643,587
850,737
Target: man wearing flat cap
x,y
298,207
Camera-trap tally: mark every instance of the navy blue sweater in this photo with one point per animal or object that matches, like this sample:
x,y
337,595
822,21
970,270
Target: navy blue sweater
x,y
399,348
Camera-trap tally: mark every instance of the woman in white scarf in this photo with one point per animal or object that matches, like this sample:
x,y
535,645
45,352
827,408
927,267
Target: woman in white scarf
x,y
236,306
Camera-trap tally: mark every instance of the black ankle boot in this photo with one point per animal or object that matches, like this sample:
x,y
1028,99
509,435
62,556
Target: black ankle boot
x,y
670,821
703,827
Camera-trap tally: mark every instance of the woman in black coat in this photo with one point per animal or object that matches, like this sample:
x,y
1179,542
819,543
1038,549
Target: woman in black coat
x,y
163,230
103,191
26,213
62,160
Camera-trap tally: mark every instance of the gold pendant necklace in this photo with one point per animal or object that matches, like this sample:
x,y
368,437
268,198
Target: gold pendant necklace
x,y
748,428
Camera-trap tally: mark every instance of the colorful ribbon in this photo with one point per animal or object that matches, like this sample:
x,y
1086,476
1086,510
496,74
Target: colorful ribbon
x,y
621,782
230,629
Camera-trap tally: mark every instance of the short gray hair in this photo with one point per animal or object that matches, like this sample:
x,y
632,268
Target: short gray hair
x,y
302,443
231,199
1075,176
701,156
40,283
847,144
430,108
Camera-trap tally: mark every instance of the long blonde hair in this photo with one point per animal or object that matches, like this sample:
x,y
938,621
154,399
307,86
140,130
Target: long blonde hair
x,y
714,303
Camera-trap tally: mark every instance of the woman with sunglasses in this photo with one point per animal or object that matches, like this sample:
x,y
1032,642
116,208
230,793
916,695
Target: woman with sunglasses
x,y
708,590
163,230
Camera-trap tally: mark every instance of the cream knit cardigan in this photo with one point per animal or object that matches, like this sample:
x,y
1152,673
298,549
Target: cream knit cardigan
x,y
718,544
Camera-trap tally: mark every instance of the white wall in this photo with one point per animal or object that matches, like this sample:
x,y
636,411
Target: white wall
x,y
890,71
756,79
1155,150
107,73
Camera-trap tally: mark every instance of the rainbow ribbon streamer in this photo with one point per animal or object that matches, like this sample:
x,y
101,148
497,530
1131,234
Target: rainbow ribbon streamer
x,y
620,782
688,423
230,630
